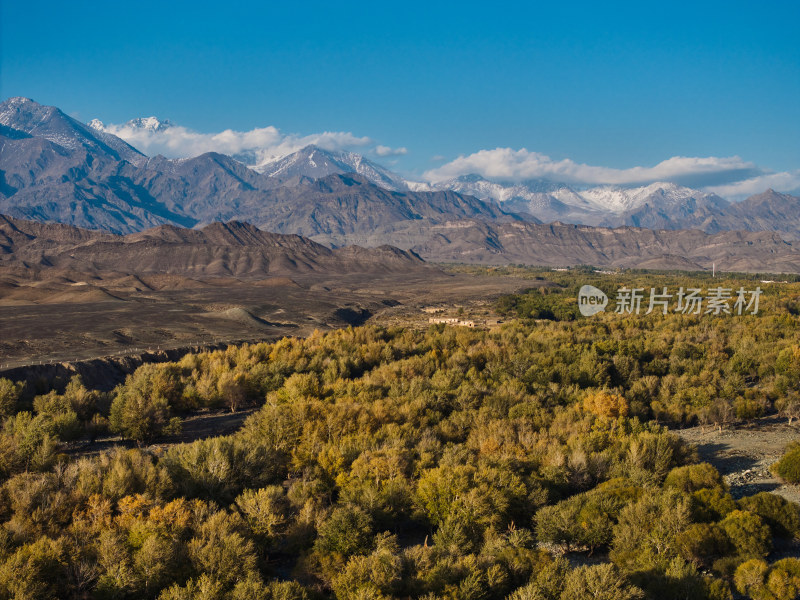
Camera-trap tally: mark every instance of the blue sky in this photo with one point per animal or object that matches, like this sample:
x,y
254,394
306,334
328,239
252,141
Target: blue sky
x,y
616,85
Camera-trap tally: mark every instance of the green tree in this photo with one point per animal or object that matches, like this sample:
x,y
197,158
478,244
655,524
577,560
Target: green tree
x,y
36,571
783,580
231,388
57,416
204,587
266,512
118,577
788,467
346,532
748,533
221,550
598,582
694,477
141,417
83,401
558,524
142,407
760,581
378,574
750,578
26,442
703,543
646,536
782,516
156,563
9,396
712,504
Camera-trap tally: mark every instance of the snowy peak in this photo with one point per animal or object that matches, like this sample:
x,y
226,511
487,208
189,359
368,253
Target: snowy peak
x,y
314,162
552,200
505,192
52,124
619,200
153,124
545,200
97,125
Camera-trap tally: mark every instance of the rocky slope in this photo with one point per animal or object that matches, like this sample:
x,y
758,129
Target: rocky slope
x,y
313,162
54,169
218,250
655,206
559,244
50,123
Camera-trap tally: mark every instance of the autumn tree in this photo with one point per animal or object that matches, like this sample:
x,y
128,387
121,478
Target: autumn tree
x,y
142,407
9,396
606,405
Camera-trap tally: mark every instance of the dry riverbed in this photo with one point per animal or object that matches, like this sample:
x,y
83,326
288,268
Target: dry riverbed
x,y
744,454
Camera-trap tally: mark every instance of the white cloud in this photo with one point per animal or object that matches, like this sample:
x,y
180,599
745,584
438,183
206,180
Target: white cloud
x,y
387,151
516,165
782,182
256,146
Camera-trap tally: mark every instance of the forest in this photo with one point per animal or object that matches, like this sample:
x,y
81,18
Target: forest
x,y
533,461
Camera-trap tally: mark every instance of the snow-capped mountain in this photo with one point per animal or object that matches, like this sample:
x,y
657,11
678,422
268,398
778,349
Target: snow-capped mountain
x,y
314,162
660,204
310,162
153,124
54,168
50,123
619,200
545,200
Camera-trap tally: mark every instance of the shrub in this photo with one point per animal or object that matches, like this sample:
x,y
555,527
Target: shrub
x,y
782,516
760,581
711,504
789,405
9,396
703,543
694,477
646,536
788,467
140,417
748,408
598,582
747,533
347,531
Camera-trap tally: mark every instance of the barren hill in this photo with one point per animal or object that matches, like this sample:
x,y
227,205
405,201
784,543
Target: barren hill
x,y
559,244
221,249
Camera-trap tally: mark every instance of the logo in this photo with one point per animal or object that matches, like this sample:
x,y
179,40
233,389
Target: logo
x,y
688,301
591,300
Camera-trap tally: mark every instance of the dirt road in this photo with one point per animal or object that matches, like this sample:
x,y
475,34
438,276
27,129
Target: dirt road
x,y
745,453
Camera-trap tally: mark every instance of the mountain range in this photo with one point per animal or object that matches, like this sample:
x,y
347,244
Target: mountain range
x,y
230,249
55,169
660,205
90,182
656,206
